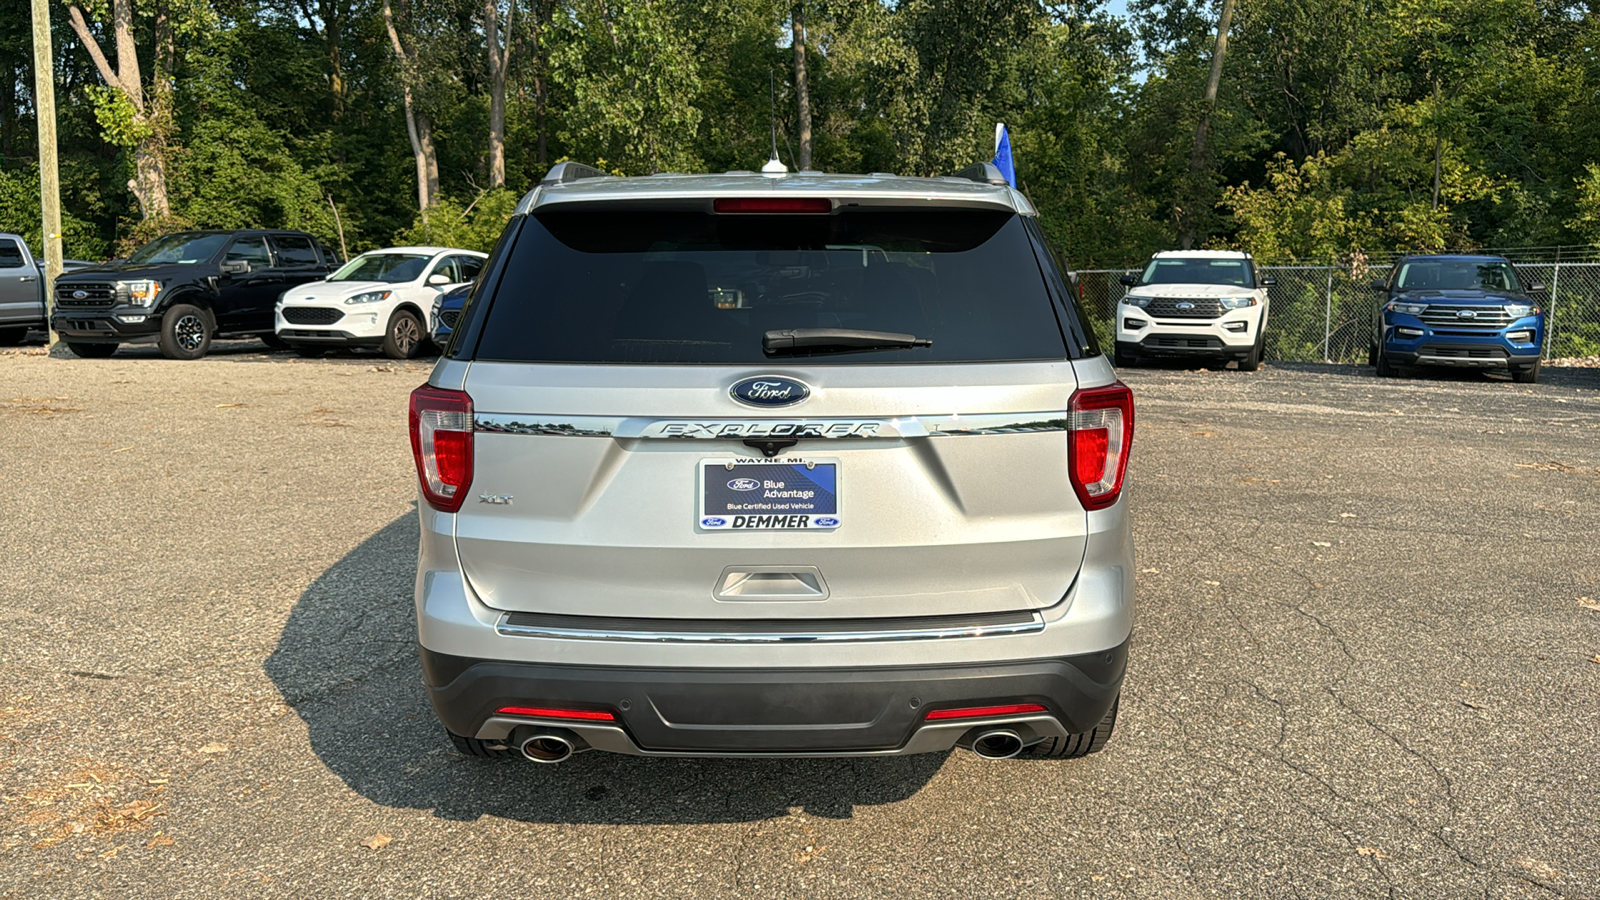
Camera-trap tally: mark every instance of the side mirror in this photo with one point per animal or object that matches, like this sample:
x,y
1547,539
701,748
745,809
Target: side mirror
x,y
1381,286
234,267
1268,281
438,278
1536,288
1130,280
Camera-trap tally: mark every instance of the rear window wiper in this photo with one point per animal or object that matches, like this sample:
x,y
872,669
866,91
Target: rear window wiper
x,y
824,340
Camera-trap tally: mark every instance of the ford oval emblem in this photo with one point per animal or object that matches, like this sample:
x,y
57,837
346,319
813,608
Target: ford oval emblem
x,y
713,522
80,295
1185,305
770,390
744,484
1466,314
826,522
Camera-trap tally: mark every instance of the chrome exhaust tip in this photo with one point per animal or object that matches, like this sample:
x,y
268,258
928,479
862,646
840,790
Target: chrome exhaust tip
x,y
546,748
1001,743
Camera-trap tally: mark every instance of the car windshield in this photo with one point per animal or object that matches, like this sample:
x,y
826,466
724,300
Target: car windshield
x,y
687,288
1235,272
181,249
391,268
1457,275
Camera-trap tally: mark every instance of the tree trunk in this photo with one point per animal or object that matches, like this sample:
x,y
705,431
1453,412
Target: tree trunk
x,y
418,126
332,38
149,184
802,91
538,85
499,63
1202,131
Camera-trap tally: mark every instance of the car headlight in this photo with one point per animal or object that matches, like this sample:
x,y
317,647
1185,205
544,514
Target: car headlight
x,y
138,293
373,297
1237,302
1410,309
1140,302
1518,310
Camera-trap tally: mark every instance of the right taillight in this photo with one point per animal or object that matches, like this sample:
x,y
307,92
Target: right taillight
x,y
441,441
1102,432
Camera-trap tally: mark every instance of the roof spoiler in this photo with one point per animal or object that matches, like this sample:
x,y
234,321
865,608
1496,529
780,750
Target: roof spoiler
x,y
983,173
568,172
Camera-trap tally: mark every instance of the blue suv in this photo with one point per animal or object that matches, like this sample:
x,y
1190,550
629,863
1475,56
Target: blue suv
x,y
1458,310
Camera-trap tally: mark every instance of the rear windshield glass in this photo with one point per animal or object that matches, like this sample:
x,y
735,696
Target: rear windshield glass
x,y
1235,272
1456,275
690,287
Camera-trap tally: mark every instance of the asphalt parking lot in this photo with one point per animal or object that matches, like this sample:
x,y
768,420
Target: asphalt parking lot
x,y
1367,662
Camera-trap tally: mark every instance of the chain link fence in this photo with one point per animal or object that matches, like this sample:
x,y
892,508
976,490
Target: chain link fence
x,y
1323,313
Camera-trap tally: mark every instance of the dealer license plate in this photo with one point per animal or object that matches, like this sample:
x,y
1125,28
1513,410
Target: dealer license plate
x,y
769,495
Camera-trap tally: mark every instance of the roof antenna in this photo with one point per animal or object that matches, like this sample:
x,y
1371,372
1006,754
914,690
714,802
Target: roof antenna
x,y
774,165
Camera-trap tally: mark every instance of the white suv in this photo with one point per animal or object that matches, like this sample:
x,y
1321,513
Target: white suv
x,y
381,299
1189,303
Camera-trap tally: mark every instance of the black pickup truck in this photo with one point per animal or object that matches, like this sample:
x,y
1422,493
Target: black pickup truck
x,y
183,289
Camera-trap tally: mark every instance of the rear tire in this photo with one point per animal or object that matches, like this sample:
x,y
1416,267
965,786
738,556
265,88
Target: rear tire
x,y
91,351
404,337
1075,745
483,749
1527,374
10,337
185,332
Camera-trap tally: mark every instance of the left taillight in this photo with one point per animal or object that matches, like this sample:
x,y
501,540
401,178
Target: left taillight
x,y
441,441
1102,433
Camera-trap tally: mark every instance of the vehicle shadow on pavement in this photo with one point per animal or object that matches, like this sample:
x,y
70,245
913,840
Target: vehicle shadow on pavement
x,y
347,664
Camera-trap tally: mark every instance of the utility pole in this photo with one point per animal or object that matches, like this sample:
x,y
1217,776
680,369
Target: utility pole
x,y
44,106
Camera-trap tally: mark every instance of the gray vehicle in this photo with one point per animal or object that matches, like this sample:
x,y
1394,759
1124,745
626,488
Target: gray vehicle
x,y
773,465
22,289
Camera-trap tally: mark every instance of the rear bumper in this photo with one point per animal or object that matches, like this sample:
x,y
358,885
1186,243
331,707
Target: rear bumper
x,y
781,712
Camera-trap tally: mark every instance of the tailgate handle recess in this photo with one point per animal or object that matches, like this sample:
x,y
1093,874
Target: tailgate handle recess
x,y
771,583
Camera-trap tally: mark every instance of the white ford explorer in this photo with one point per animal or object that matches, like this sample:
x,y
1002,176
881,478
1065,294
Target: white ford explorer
x,y
1194,303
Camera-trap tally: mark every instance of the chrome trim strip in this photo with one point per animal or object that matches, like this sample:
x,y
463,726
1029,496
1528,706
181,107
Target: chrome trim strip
x,y
713,428
929,737
1032,626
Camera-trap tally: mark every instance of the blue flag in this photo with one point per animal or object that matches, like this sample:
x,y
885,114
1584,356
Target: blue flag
x,y
1002,154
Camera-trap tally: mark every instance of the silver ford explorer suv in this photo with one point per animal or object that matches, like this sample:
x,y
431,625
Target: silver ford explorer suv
x,y
773,465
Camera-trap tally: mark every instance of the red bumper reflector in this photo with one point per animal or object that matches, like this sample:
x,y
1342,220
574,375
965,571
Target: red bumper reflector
x,y
980,712
549,712
773,205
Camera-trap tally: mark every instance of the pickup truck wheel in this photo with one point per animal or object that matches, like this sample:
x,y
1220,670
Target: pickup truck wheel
x,y
486,749
1075,745
10,337
91,351
404,337
185,332
1526,374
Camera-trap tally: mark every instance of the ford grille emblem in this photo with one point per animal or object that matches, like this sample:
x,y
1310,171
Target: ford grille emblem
x,y
744,484
1466,314
770,390
80,295
1185,305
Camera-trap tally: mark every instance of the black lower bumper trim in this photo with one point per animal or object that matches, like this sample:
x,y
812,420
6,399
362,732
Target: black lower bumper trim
x,y
773,710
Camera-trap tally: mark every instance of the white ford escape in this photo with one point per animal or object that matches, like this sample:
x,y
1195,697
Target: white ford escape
x,y
773,465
